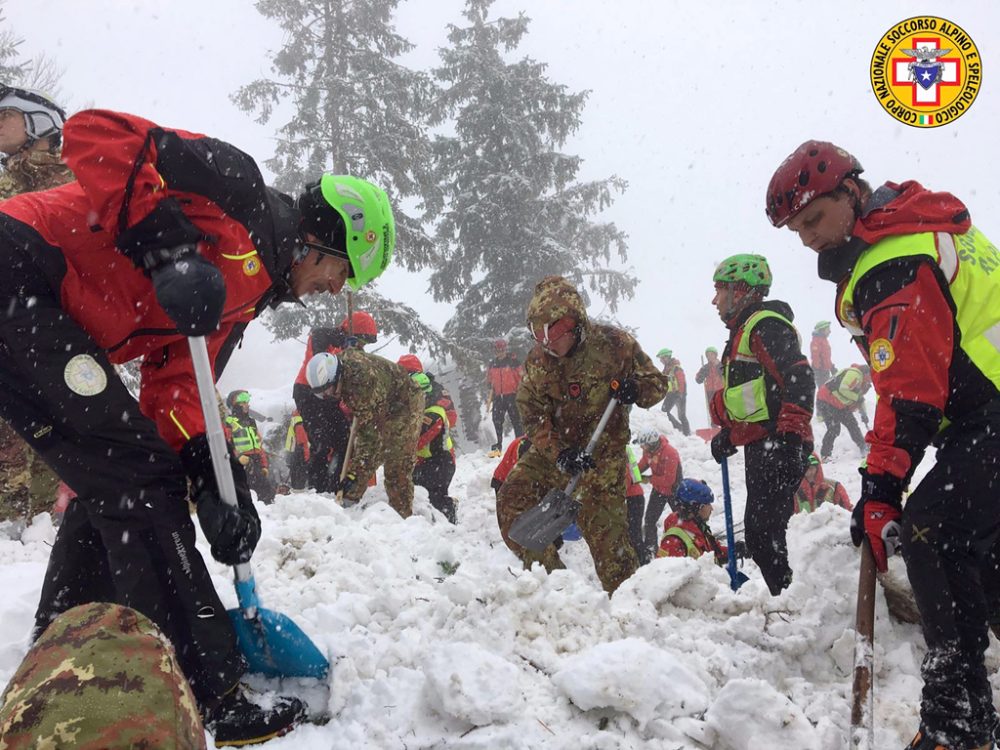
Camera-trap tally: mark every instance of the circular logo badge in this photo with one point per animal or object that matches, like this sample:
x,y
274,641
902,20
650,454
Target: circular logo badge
x,y
926,71
881,354
85,376
251,266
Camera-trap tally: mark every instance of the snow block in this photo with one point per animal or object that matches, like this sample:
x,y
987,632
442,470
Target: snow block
x,y
750,714
467,682
634,677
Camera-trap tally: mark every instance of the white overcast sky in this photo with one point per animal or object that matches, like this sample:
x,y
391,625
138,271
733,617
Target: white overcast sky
x,y
694,103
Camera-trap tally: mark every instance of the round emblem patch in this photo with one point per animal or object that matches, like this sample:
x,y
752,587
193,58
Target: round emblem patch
x,y
926,71
575,390
251,266
85,376
881,355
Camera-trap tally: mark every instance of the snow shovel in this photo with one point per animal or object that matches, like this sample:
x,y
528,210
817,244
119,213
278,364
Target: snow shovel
x,y
347,457
736,577
272,644
862,704
538,527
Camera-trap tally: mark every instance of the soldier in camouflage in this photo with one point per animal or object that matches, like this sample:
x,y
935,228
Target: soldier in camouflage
x,y
101,676
30,136
575,367
388,408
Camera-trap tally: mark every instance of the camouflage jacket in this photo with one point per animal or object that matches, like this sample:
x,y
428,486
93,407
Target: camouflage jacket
x,y
561,399
377,391
101,676
28,171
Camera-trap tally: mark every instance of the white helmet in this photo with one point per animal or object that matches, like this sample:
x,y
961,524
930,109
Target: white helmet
x,y
322,371
43,118
647,437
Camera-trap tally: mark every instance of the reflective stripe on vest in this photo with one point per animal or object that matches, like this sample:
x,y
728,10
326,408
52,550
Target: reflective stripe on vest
x,y
245,438
825,494
673,384
969,262
747,402
437,411
685,537
633,464
290,435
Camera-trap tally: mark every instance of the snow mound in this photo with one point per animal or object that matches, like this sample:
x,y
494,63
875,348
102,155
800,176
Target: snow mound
x,y
469,683
750,714
634,677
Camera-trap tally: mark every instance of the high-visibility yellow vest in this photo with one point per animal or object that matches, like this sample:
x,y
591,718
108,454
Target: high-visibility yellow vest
x,y
290,435
848,390
692,550
970,263
437,411
825,495
245,437
747,402
633,465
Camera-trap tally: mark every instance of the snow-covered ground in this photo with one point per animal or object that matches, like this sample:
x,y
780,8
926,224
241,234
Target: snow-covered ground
x,y
438,638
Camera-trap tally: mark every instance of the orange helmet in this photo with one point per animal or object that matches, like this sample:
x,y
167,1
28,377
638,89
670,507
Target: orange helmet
x,y
364,326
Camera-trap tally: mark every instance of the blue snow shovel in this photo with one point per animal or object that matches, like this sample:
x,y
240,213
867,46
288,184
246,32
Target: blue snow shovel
x,y
272,644
736,577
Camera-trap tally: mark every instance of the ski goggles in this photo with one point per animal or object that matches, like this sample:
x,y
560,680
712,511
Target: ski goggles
x,y
549,333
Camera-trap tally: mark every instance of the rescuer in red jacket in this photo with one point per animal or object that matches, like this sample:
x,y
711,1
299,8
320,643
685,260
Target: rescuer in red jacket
x,y
504,376
166,234
918,289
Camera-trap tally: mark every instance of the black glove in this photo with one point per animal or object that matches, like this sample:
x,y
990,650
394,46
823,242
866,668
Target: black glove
x,y
791,453
625,390
233,533
722,446
574,461
346,484
740,549
190,290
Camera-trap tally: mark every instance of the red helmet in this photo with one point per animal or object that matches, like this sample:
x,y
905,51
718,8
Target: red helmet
x,y
410,363
815,168
500,346
363,324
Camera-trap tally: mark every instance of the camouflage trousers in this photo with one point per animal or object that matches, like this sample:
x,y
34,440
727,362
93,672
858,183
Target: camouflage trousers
x,y
27,485
394,445
602,521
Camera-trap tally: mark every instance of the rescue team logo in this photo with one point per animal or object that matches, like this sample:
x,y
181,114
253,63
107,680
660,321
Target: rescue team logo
x,y
575,390
251,266
85,376
926,71
881,355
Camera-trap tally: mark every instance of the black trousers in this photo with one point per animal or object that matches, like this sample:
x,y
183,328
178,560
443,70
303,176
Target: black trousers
x,y
635,508
950,526
434,474
680,422
506,406
774,471
128,537
654,509
328,429
834,419
297,468
260,482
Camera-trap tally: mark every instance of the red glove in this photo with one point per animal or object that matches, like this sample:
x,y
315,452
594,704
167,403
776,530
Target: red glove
x,y
879,522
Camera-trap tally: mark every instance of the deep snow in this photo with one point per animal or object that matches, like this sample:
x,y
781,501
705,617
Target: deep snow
x,y
492,656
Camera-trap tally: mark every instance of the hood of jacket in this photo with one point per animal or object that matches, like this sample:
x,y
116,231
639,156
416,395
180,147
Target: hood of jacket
x,y
555,298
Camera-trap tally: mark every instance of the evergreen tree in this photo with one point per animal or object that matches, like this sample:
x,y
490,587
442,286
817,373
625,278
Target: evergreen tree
x,y
355,110
12,68
514,210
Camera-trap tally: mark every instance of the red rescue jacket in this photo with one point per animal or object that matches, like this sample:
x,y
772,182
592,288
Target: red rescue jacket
x,y
665,465
138,183
504,375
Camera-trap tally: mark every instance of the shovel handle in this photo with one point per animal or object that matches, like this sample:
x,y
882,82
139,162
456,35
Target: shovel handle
x,y
598,431
220,453
862,704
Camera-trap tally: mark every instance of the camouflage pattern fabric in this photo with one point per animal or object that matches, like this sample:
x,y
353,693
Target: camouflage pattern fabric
x,y
101,676
603,520
27,485
389,408
560,400
30,171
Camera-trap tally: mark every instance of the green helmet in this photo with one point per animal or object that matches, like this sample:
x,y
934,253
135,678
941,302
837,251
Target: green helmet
x,y
422,380
752,270
711,350
351,219
823,325
664,353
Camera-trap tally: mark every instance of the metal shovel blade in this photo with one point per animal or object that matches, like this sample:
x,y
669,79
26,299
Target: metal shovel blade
x,y
538,527
274,646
